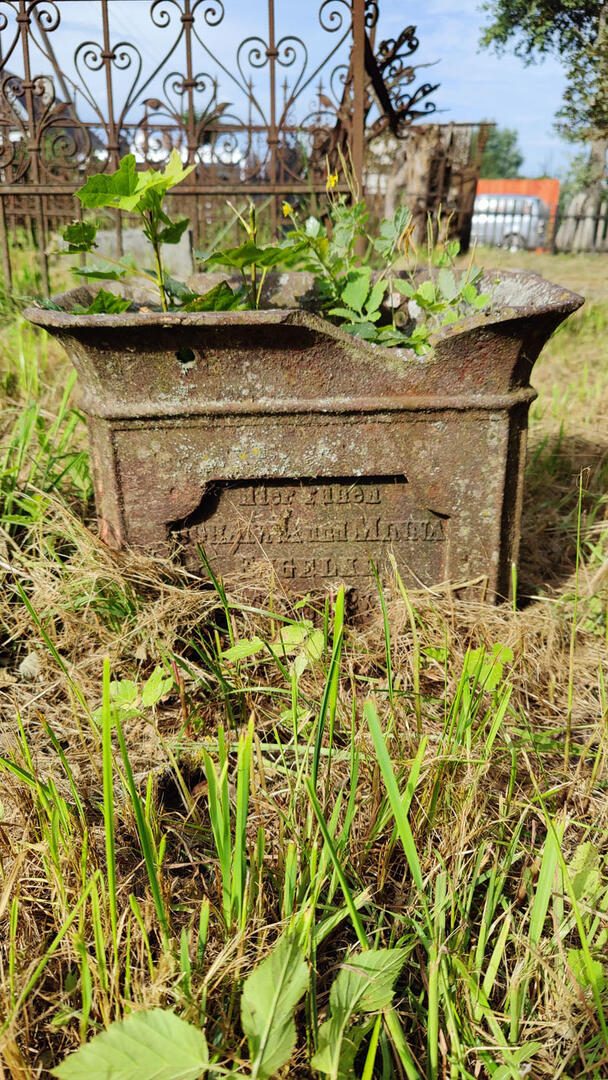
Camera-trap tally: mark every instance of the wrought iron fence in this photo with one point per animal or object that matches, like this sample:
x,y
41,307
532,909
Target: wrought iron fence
x,y
257,113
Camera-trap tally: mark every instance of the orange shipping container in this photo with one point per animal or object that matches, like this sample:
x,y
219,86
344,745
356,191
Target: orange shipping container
x,y
546,189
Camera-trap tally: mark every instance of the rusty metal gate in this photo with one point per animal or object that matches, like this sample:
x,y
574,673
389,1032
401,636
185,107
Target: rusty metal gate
x,y
260,115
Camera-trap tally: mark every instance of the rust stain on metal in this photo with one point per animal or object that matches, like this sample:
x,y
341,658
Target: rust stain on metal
x,y
274,435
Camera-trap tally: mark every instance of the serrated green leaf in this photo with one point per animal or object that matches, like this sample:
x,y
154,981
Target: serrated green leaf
x,y
152,1045
365,983
128,189
313,227
104,189
389,336
80,236
391,229
268,1002
155,687
249,253
104,303
178,289
220,298
173,233
356,289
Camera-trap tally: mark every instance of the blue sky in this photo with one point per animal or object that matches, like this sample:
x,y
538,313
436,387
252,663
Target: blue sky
x,y
477,84
474,85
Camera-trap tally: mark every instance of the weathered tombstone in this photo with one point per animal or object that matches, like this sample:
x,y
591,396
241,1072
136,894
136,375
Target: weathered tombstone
x,y
273,435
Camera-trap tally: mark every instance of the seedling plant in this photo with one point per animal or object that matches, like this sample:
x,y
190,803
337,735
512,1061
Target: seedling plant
x,y
352,294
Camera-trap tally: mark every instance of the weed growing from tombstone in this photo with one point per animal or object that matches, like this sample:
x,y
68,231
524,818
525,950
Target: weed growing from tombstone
x,y
351,293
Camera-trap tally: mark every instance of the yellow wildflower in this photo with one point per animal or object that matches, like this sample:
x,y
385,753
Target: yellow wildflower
x,y
332,180
287,209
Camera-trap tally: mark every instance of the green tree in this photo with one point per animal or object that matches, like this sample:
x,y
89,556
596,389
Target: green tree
x,y
502,158
576,31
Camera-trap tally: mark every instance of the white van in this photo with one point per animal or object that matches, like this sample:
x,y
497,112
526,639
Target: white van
x,y
510,221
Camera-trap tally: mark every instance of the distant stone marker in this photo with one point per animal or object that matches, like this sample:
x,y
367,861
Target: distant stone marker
x,y
177,258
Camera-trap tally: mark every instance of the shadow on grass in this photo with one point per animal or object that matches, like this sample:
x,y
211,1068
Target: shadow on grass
x,y
550,513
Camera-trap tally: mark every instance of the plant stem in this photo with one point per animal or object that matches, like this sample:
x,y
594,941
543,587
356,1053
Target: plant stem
x,y
151,231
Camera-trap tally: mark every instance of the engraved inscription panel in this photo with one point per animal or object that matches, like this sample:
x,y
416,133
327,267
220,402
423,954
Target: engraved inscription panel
x,y
315,531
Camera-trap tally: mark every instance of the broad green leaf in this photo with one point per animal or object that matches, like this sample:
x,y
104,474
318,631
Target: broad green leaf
x,y
343,313
375,298
268,1002
173,233
390,335
123,692
104,303
426,292
584,872
469,293
481,301
80,236
220,298
365,330
519,1056
488,668
314,645
105,189
313,227
127,189
365,983
391,230
404,287
249,253
48,304
155,687
356,289
366,980
292,636
447,284
99,272
580,969
438,653
151,1045
174,171
178,289
337,1048
244,648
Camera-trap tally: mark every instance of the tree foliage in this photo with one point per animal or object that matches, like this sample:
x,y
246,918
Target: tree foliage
x,y
576,31
502,157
